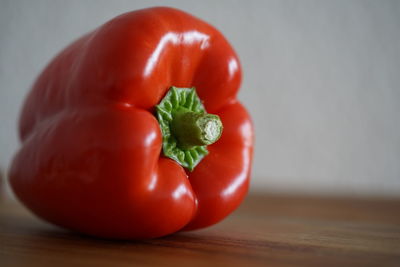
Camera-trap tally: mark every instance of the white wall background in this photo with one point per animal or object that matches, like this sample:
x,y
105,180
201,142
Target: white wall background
x,y
321,80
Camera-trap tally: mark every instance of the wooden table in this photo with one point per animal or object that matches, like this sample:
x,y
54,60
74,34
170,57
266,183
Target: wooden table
x,y
266,231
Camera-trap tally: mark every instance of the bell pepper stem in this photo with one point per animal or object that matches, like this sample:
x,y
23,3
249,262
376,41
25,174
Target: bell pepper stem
x,y
186,126
195,129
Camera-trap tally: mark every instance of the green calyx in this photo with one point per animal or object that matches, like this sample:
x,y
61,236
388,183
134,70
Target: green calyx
x,y
186,127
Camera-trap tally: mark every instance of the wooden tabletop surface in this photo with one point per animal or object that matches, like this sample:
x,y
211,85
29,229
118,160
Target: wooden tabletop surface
x,y
266,231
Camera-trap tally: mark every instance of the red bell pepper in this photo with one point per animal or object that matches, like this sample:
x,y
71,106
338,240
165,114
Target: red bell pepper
x,y
117,143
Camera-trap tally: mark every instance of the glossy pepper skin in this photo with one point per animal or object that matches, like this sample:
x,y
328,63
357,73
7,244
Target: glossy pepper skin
x,y
91,157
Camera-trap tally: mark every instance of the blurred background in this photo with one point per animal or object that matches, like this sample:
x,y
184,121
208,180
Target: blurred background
x,y
321,81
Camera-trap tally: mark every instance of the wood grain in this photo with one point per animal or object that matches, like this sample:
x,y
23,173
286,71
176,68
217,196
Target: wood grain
x,y
266,231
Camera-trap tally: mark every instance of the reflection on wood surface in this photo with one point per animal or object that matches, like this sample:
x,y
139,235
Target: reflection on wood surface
x,y
265,231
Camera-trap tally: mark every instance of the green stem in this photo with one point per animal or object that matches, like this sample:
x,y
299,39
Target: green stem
x,y
195,129
186,127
